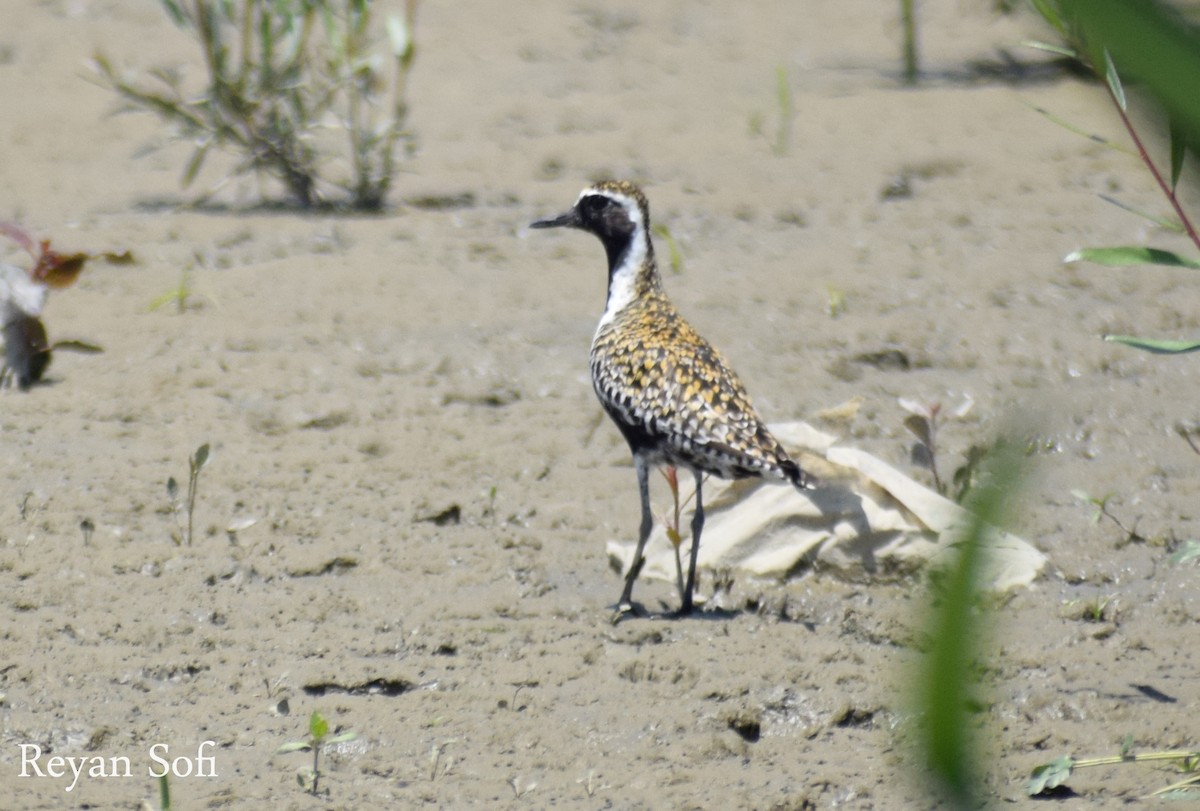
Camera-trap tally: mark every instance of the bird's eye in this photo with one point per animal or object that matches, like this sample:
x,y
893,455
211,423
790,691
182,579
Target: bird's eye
x,y
595,203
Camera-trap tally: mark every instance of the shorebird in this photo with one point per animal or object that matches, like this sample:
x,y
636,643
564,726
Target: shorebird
x,y
667,389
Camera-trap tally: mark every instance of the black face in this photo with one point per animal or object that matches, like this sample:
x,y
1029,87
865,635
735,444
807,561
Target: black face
x,y
601,215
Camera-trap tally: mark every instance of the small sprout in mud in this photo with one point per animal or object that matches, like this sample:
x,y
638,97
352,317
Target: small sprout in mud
x,y
87,528
785,109
196,463
489,510
671,523
1188,550
675,255
837,302
179,294
1049,776
590,784
924,422
279,702
318,737
520,787
1097,609
236,526
164,793
1102,511
436,759
1187,430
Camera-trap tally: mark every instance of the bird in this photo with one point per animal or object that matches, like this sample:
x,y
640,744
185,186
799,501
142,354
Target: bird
x,y
669,392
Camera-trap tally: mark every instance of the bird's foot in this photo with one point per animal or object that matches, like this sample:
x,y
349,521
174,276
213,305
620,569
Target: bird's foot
x,y
627,608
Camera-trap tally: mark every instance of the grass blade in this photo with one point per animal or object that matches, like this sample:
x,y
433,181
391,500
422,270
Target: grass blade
x,y
1156,347
1114,81
1131,255
947,682
1178,149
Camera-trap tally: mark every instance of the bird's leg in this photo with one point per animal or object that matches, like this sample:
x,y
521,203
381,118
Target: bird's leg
x,y
697,528
635,567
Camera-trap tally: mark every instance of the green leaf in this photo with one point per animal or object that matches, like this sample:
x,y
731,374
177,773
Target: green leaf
x,y
1061,50
1049,12
318,727
399,36
293,746
1131,255
344,737
195,162
1050,775
1167,225
1150,41
1189,551
949,677
1157,347
1178,149
201,457
174,12
1114,81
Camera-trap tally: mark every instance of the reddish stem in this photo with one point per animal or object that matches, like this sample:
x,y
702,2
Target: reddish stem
x,y
1162,183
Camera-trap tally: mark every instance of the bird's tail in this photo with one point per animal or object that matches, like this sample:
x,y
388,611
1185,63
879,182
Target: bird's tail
x,y
798,476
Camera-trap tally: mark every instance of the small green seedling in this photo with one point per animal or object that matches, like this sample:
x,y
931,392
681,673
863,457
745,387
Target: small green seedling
x,y
164,793
196,463
1102,511
675,256
924,421
1188,550
837,302
1049,776
318,737
671,523
178,295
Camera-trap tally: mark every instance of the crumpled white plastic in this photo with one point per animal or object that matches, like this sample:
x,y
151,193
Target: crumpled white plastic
x,y
866,520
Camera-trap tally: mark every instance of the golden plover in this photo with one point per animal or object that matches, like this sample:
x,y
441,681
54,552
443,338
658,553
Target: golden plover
x,y
666,388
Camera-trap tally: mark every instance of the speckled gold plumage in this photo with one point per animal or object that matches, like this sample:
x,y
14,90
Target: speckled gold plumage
x,y
665,387
656,375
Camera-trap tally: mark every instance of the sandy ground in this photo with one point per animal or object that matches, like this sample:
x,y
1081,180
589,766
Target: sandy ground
x,y
358,378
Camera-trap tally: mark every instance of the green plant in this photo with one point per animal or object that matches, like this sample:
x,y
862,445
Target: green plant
x,y
671,522
196,463
276,73
675,255
318,737
947,686
836,306
1049,776
1102,511
179,294
1150,41
164,793
924,421
786,111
